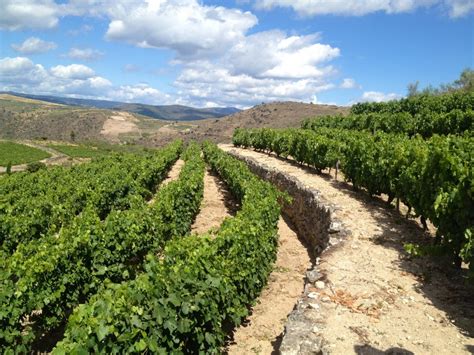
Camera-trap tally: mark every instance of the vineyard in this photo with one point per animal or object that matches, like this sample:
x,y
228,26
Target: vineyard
x,y
98,243
418,150
100,257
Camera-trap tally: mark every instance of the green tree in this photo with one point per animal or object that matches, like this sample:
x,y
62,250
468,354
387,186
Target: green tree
x,y
466,80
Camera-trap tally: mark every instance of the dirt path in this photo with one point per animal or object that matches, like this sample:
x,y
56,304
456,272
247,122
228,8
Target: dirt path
x,y
375,296
216,205
261,333
173,174
262,330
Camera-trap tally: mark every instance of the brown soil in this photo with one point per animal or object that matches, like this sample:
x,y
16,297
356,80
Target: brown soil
x,y
217,204
375,296
261,333
119,123
263,328
173,174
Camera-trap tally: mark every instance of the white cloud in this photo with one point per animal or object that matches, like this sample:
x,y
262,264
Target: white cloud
x,y
21,71
34,45
456,8
28,14
182,24
185,26
289,68
460,8
199,86
84,54
349,83
142,93
76,80
21,74
280,56
376,96
215,54
73,71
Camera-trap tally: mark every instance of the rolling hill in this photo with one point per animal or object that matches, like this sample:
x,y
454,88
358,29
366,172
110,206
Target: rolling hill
x,y
163,112
27,118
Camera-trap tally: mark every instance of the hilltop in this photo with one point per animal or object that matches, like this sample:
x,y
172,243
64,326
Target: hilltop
x,y
271,115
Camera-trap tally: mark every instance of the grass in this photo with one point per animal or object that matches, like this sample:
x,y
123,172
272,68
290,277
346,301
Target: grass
x,y
19,154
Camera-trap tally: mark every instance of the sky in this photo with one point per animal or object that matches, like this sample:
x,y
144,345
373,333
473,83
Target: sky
x,y
233,53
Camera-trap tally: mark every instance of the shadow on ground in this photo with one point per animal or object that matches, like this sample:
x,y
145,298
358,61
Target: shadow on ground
x,y
369,350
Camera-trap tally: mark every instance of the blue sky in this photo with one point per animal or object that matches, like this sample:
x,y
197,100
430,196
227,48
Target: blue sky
x,y
233,53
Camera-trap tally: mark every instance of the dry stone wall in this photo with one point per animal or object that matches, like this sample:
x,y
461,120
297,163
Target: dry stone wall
x,y
315,220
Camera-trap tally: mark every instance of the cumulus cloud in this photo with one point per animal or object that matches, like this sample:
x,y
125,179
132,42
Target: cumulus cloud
x,y
28,14
142,93
185,26
376,96
87,54
73,71
349,83
200,86
289,68
456,8
215,53
280,56
22,74
34,45
21,71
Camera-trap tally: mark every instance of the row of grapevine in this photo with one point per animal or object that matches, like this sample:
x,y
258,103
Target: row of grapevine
x,y
425,123
199,284
32,205
56,273
433,176
458,100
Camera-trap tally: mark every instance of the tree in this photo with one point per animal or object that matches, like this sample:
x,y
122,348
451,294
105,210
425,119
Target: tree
x,y
73,136
413,88
466,80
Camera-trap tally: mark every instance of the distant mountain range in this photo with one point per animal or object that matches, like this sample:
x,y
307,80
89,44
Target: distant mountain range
x,y
163,112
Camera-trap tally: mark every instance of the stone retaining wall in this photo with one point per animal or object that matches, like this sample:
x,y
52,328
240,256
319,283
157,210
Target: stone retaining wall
x,y
316,222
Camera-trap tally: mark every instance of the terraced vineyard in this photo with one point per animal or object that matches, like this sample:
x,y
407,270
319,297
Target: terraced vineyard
x,y
89,249
425,160
101,257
